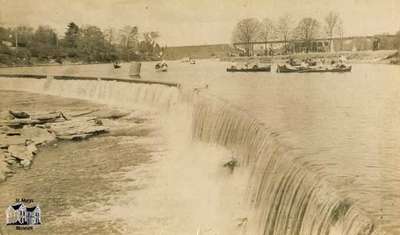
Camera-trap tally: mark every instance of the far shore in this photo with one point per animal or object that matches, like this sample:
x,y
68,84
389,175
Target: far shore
x,y
357,57
373,57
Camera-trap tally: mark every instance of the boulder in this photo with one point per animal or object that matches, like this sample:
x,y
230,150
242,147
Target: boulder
x,y
20,152
9,131
6,141
231,164
20,122
111,114
37,135
32,148
25,163
3,167
79,128
79,113
19,114
48,117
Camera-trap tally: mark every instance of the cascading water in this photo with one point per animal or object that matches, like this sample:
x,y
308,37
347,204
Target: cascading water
x,y
107,92
283,197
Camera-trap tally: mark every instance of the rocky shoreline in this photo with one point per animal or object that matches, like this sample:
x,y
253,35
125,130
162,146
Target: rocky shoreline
x,y
22,133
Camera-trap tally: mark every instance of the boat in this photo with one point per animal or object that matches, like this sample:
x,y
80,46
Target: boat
x,y
185,60
116,65
327,69
161,67
255,68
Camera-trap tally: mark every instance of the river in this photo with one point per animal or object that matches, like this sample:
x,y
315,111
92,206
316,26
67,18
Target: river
x,y
342,129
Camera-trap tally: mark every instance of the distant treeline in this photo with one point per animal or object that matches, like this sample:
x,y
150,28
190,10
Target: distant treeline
x,y
285,29
24,45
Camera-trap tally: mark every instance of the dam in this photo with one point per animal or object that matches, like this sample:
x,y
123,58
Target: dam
x,y
316,154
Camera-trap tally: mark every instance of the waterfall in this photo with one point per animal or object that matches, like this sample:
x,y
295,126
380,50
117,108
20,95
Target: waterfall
x,y
114,93
282,195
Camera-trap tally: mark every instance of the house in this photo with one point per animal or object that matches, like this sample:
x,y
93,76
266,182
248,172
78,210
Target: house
x,y
33,215
19,214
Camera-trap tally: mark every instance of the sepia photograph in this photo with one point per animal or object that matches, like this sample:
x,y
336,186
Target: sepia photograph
x,y
184,117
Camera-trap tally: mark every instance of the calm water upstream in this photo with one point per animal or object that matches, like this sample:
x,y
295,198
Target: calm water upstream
x,y
345,128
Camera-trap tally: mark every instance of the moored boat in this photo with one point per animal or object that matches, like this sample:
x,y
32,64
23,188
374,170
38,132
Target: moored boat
x,y
326,69
161,67
116,65
255,68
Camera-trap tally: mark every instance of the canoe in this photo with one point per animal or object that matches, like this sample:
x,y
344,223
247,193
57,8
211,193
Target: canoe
x,y
161,67
254,69
285,69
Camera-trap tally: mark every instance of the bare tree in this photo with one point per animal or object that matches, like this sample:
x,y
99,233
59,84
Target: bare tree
x,y
284,28
332,21
247,31
110,35
307,30
129,36
267,31
340,31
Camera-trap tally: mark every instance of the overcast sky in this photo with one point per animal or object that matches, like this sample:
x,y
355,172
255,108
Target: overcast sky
x,y
191,22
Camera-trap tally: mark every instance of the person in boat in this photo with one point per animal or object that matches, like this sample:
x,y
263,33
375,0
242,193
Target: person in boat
x,y
116,65
233,65
342,62
162,64
342,59
319,63
291,62
304,64
198,89
311,62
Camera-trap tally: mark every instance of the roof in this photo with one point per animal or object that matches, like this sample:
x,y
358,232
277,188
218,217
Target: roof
x,y
31,208
16,206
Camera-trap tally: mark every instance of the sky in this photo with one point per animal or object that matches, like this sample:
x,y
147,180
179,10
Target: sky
x,y
194,22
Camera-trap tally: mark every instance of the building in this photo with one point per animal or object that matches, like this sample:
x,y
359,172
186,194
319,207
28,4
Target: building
x,y
19,214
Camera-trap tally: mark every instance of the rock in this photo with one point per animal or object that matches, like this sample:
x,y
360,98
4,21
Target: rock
x,y
5,115
6,141
81,113
231,164
25,163
19,114
9,131
37,135
20,152
32,148
73,137
11,161
20,122
111,114
49,117
3,167
77,129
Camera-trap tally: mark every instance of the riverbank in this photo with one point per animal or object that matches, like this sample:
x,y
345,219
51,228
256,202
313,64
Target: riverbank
x,y
24,133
